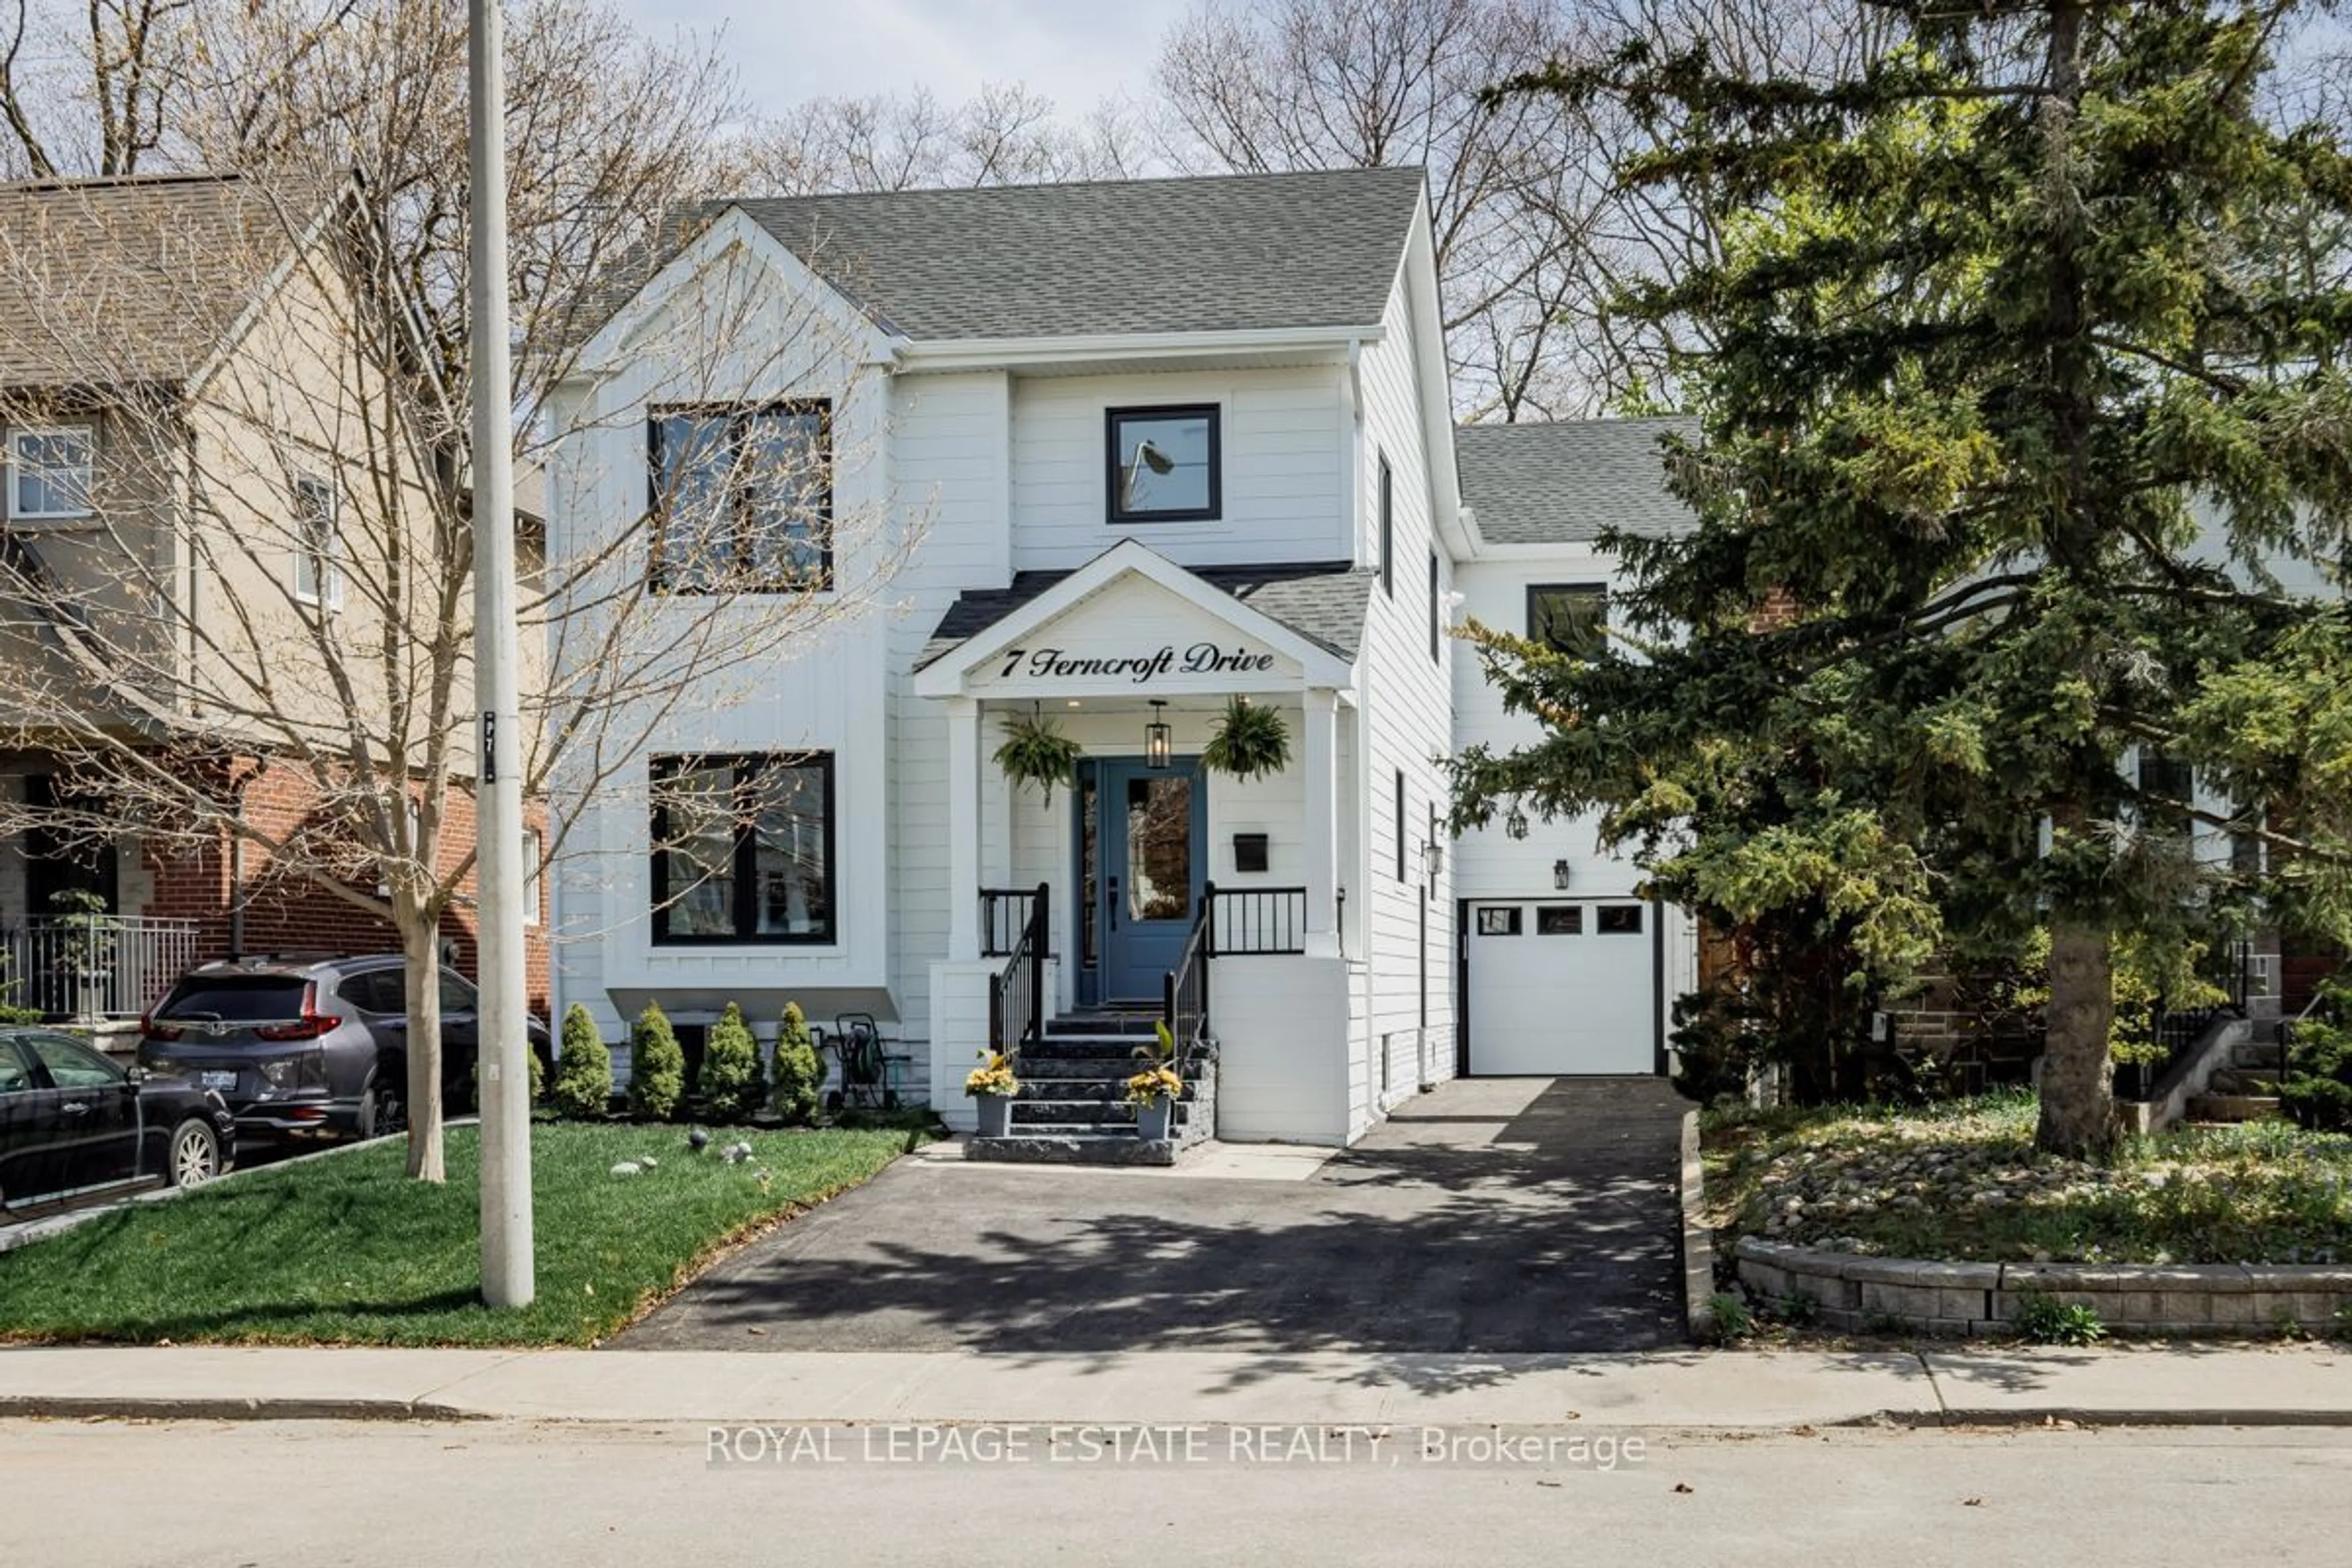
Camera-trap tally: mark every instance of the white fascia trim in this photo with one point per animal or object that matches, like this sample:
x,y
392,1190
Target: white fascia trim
x,y
995,353
945,676
1418,275
730,229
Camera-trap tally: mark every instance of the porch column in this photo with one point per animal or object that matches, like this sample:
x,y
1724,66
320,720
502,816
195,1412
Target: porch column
x,y
963,829
1320,754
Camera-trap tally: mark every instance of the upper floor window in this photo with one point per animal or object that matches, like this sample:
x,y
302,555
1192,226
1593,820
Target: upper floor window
x,y
1387,530
318,579
741,499
1164,465
1568,617
743,848
48,472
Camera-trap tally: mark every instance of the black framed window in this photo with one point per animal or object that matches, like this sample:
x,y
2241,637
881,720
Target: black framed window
x,y
1164,464
741,497
1499,920
1387,530
743,848
1436,622
1559,919
1400,825
1568,617
1618,920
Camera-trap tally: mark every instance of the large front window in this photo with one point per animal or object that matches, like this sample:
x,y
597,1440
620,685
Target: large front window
x,y
1163,465
742,498
743,849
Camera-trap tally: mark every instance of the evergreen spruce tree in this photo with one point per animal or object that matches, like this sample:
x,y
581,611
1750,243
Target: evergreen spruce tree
x,y
2029,409
732,1086
583,1073
656,1066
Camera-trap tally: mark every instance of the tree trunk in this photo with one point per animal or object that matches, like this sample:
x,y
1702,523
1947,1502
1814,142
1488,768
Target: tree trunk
x,y
420,943
2078,1102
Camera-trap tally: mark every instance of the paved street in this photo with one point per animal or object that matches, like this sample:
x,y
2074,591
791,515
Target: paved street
x,y
1493,1216
523,1494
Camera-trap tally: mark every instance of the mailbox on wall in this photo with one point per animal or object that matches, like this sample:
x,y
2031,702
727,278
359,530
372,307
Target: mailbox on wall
x,y
1249,852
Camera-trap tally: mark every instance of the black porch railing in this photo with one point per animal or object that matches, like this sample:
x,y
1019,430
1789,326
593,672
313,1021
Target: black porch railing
x,y
2175,1031
1004,916
1016,992
1258,920
1184,993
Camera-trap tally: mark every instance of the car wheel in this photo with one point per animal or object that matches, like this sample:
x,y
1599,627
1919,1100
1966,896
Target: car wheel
x,y
382,1110
195,1157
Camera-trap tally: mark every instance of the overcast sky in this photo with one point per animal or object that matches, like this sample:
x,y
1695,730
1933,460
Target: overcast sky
x,y
1073,51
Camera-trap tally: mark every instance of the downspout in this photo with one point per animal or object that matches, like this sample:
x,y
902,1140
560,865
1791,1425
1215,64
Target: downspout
x,y
237,872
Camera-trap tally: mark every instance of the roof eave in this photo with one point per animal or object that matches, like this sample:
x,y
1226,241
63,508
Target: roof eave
x,y
992,353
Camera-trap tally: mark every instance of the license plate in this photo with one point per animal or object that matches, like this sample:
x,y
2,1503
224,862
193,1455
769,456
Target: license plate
x,y
217,1079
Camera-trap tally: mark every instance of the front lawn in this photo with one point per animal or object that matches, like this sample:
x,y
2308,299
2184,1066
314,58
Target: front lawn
x,y
347,1251
1961,1181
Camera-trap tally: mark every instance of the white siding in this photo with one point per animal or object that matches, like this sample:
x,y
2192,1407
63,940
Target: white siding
x,y
1282,434
1403,930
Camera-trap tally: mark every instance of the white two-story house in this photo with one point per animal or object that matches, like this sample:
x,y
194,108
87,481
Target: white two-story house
x,y
1096,459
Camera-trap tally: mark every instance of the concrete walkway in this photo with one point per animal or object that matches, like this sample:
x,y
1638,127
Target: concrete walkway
x,y
1506,1217
2288,1386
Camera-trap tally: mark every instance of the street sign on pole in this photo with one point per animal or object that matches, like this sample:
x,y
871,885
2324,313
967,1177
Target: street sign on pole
x,y
506,1264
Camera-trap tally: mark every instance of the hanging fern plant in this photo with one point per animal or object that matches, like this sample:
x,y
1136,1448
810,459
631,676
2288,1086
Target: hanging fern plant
x,y
1035,752
1250,741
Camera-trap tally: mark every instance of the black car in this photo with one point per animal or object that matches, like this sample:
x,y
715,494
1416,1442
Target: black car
x,y
312,1048
73,1124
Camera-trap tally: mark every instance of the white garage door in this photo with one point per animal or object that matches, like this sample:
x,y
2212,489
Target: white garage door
x,y
1562,986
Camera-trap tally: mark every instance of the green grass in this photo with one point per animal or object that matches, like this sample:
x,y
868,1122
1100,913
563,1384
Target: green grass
x,y
347,1251
1913,1182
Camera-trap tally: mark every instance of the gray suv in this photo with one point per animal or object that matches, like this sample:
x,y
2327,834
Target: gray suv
x,y
311,1048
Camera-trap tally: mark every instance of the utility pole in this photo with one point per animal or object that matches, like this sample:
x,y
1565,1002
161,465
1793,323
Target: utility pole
x,y
507,1263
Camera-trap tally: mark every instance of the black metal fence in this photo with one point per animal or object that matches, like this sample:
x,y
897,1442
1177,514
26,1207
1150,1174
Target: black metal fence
x,y
1184,993
1016,992
1258,920
2175,1031
1004,916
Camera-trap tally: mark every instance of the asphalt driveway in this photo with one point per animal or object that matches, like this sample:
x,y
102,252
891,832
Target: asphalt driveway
x,y
1494,1215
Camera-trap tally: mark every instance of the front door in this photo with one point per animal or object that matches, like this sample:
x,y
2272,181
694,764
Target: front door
x,y
1153,847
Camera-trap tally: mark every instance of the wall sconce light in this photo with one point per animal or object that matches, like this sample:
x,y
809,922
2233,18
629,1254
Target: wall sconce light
x,y
1159,741
1432,857
1559,875
1516,824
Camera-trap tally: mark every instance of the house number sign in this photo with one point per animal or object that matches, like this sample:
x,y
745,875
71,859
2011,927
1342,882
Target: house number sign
x,y
1200,658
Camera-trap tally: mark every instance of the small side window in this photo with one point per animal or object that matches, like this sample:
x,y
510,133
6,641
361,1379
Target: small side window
x,y
49,473
1619,920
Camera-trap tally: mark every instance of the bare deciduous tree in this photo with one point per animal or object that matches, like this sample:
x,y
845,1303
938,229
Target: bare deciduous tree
x,y
1005,135
290,592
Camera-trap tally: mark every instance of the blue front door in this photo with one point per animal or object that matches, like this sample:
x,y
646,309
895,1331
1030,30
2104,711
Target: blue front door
x,y
1150,825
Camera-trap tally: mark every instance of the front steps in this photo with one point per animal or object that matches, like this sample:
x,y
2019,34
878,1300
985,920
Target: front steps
x,y
1072,1109
2244,1088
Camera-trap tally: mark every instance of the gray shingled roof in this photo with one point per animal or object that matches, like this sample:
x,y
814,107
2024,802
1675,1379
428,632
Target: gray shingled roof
x,y
139,279
1323,601
1221,253
1563,484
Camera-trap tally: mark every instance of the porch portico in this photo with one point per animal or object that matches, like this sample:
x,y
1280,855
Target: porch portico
x,y
1128,849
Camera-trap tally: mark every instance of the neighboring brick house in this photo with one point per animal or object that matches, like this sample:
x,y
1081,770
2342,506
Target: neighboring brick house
x,y
198,515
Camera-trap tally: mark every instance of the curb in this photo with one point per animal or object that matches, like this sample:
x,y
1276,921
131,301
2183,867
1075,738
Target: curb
x,y
1698,1240
74,1407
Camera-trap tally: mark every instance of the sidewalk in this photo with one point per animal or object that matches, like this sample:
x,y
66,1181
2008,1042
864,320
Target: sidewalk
x,y
2287,1385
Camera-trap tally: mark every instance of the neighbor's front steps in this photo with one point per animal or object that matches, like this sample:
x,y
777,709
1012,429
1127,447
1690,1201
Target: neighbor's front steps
x,y
2246,1089
1072,1109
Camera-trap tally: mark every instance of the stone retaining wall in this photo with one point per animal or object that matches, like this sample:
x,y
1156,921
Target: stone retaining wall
x,y
1852,1293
